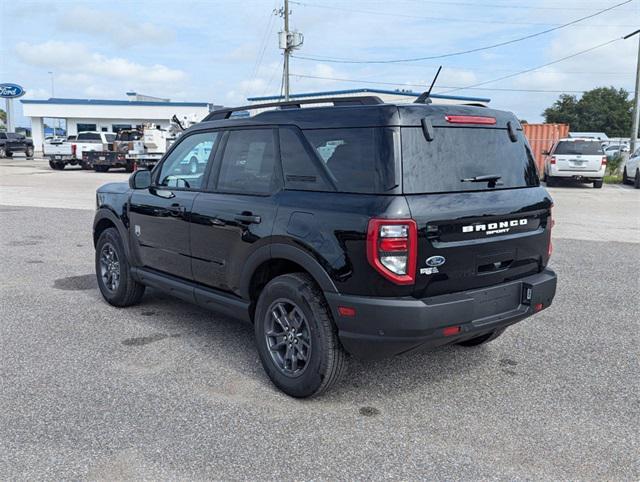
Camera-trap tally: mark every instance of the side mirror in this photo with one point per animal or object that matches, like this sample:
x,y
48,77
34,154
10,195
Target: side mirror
x,y
140,179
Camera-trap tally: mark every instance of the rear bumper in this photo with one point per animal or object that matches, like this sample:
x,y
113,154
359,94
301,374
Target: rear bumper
x,y
577,174
384,327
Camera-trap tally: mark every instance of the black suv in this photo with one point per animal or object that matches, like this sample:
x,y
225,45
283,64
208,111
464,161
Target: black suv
x,y
359,227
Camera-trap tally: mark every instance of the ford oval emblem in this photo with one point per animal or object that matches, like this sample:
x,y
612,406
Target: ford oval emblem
x,y
10,91
435,261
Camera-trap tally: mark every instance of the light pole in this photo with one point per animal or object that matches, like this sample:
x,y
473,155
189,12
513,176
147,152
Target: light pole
x,y
636,109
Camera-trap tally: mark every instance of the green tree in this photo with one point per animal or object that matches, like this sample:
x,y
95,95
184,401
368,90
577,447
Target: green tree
x,y
604,109
3,116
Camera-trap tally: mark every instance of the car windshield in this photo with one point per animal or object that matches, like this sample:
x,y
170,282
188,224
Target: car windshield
x,y
465,159
578,147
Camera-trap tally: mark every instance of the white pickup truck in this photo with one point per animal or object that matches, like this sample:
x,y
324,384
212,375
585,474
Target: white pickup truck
x,y
70,152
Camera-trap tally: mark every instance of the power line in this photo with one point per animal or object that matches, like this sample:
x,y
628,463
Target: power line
x,y
502,5
463,52
402,84
440,19
515,74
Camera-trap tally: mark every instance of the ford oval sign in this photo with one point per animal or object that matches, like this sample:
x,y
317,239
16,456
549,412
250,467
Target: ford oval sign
x,y
435,261
10,91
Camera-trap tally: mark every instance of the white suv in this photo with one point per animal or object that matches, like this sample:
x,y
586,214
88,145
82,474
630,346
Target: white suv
x,y
575,158
631,170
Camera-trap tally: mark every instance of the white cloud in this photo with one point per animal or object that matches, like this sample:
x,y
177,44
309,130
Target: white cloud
x,y
114,26
74,58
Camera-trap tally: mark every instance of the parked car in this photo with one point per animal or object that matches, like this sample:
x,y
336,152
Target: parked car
x,y
612,151
577,159
71,152
117,155
364,228
631,170
11,143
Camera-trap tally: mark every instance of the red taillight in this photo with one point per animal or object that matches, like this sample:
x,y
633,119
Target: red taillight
x,y
604,161
74,147
538,307
347,311
392,249
552,160
451,330
470,119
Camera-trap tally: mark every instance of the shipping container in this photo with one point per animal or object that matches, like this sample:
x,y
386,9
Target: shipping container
x,y
541,137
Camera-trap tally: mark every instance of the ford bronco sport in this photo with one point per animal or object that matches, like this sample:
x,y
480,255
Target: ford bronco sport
x,y
357,228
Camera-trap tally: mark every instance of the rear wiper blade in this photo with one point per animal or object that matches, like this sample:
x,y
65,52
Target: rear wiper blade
x,y
485,178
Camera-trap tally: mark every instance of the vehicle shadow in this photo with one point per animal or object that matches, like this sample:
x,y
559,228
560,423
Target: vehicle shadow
x,y
229,357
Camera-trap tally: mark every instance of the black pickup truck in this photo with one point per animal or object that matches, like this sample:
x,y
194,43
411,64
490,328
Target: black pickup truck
x,y
11,143
361,228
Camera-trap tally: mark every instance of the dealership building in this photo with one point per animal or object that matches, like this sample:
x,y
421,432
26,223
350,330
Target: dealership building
x,y
108,115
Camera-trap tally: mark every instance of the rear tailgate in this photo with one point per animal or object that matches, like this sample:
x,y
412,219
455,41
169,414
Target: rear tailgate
x,y
61,149
472,187
579,162
484,238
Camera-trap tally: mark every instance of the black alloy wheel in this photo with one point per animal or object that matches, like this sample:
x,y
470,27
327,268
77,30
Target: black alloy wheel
x,y
286,332
110,267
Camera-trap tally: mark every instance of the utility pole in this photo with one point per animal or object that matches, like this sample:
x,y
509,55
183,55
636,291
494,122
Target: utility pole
x,y
288,41
287,51
636,109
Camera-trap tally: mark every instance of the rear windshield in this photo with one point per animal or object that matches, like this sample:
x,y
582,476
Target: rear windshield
x,y
360,160
89,136
459,155
579,147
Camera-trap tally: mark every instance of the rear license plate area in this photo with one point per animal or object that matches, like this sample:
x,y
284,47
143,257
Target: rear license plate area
x,y
496,300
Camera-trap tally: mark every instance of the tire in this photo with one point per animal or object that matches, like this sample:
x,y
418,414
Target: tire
x,y
597,184
116,285
625,178
482,339
636,181
29,152
314,359
56,165
130,167
84,166
550,181
101,168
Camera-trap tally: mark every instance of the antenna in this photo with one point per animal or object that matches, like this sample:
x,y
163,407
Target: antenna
x,y
425,95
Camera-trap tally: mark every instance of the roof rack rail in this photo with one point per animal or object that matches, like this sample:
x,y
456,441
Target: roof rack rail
x,y
226,112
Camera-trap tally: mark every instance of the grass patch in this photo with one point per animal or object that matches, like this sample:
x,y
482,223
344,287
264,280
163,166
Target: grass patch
x,y
613,179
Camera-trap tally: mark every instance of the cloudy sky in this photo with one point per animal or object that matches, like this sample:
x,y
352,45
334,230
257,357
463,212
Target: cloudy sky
x,y
222,51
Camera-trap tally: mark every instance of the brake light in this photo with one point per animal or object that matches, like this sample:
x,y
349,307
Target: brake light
x,y
392,246
74,148
470,119
604,161
552,160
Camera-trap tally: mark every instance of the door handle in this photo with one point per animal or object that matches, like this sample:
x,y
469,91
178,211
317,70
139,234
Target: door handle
x,y
248,218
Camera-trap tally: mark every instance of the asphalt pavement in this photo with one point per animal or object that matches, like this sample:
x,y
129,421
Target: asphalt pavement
x,y
166,390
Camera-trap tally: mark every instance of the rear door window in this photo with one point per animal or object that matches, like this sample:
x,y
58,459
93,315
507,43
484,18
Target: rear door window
x,y
248,162
585,148
361,160
300,169
458,155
